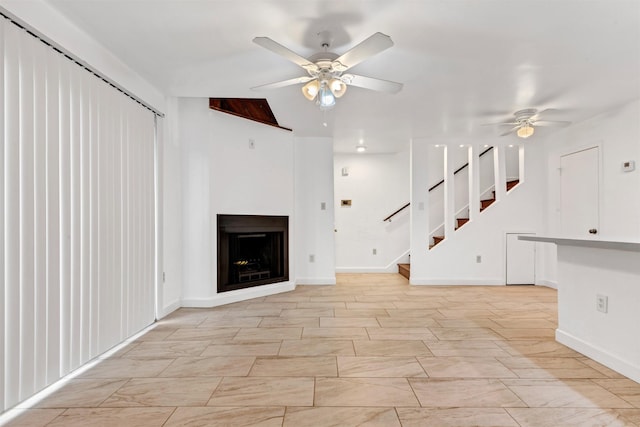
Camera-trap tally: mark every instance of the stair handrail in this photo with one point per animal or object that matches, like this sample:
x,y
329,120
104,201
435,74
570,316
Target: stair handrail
x,y
396,212
435,186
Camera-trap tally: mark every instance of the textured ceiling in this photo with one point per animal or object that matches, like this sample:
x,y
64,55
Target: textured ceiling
x,y
462,62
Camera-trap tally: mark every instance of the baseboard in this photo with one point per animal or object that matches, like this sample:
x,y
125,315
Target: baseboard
x,y
392,267
547,283
459,282
600,355
239,295
316,280
390,270
169,309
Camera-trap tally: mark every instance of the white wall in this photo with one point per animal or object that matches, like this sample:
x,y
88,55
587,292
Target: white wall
x,y
222,175
314,225
377,184
512,163
617,133
586,272
172,211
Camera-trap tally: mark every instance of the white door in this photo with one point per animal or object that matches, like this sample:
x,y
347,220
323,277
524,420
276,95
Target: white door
x,y
521,260
579,193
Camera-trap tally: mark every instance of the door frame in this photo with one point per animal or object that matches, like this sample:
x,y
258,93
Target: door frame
x,y
535,253
573,150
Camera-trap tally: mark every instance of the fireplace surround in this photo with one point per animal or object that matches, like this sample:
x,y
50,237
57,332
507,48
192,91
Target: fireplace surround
x,y
253,250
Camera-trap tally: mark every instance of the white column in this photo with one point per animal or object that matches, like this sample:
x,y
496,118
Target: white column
x,y
474,182
419,234
2,207
449,193
500,172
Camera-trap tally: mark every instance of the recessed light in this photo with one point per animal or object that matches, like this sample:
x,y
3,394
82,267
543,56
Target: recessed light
x,y
437,145
461,145
361,148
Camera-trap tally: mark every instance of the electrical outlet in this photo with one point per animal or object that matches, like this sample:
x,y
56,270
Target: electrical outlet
x,y
312,258
478,259
323,206
375,251
602,303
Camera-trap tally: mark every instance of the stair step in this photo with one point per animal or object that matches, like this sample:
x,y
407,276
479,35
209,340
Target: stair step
x,y
436,240
404,270
484,204
511,184
461,221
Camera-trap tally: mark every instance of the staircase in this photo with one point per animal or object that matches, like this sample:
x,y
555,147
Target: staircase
x,y
404,270
484,204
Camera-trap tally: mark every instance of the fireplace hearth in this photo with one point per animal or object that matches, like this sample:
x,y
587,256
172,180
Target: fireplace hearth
x,y
252,251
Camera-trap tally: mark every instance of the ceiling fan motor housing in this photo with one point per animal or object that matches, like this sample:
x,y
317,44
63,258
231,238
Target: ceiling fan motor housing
x,y
525,115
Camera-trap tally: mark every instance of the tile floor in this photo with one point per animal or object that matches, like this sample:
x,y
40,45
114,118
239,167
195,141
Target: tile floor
x,y
370,351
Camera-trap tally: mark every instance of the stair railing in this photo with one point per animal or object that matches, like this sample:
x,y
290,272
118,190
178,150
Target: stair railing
x,y
396,212
461,168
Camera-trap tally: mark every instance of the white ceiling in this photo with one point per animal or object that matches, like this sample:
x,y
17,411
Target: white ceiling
x,y
462,62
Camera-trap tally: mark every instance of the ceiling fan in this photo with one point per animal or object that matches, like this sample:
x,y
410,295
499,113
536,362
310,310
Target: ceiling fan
x,y
326,80
525,121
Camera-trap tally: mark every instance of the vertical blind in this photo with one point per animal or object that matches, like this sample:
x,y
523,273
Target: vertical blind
x,y
77,215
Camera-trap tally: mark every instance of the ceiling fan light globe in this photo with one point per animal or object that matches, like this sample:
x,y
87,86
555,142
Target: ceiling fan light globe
x,y
338,87
311,89
326,100
525,131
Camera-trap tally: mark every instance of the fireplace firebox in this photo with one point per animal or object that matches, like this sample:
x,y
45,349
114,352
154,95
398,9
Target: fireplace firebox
x,y
253,250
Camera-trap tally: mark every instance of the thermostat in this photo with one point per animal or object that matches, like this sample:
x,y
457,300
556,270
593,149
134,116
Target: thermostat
x,y
628,166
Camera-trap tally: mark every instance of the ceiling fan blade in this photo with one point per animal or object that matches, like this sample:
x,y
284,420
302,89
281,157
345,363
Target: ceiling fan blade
x,y
371,83
550,123
500,124
275,47
545,111
284,83
513,129
367,48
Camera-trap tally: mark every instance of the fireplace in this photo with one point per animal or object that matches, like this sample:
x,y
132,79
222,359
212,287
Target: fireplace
x,y
253,250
